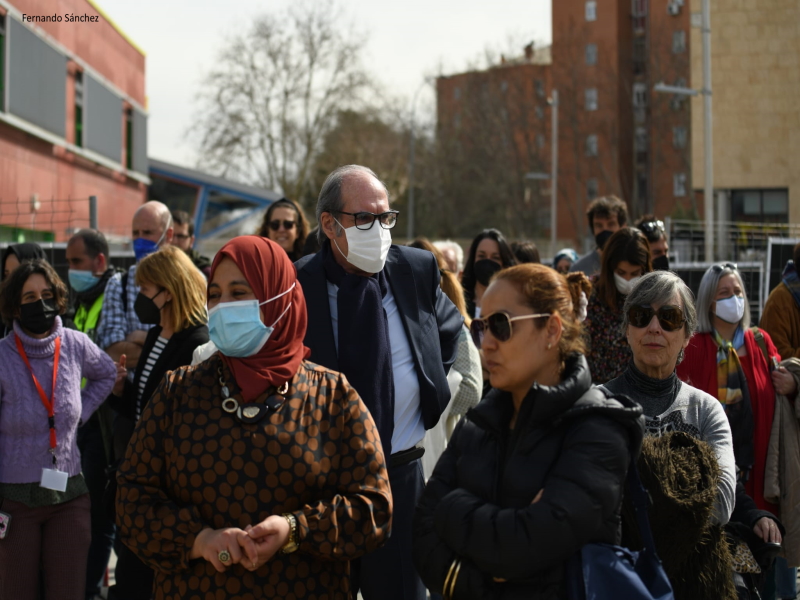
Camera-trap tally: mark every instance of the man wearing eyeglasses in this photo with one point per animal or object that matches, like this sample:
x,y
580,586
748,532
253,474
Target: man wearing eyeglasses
x,y
656,235
377,314
183,238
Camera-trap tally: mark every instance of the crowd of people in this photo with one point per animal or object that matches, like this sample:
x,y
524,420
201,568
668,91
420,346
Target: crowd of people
x,y
323,413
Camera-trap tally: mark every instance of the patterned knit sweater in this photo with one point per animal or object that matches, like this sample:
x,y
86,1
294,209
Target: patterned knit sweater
x,y
24,431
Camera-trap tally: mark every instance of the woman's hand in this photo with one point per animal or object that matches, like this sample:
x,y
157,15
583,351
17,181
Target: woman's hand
x,y
784,382
210,542
767,530
122,373
269,537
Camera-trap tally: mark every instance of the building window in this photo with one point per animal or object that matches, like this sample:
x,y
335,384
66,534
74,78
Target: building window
x,y
678,42
128,138
591,99
591,189
79,109
640,141
539,141
591,54
539,112
540,88
591,10
679,185
457,121
639,14
639,95
591,145
639,55
680,137
641,186
503,86
760,206
456,93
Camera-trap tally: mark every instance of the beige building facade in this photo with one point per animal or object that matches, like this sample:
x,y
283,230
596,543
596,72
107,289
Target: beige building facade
x,y
755,56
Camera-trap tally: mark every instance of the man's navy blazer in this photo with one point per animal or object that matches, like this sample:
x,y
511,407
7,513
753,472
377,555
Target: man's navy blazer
x,y
431,321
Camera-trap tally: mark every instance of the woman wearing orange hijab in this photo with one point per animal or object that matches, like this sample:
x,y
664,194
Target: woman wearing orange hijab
x,y
254,473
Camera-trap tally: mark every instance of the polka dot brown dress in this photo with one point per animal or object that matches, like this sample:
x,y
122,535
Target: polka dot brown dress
x,y
190,465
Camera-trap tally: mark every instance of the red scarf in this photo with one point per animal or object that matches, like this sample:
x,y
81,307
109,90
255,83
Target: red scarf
x,y
268,270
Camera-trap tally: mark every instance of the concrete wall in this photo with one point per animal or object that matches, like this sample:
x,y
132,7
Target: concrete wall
x,y
755,52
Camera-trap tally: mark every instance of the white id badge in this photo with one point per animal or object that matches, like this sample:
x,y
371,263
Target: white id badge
x,y
53,479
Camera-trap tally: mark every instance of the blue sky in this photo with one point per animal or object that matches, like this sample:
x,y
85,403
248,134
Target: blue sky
x,y
407,41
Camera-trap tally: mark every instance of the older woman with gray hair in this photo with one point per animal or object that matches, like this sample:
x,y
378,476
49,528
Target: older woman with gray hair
x,y
736,364
659,319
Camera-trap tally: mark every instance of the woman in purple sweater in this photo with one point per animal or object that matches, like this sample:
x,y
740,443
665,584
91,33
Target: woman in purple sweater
x,y
44,500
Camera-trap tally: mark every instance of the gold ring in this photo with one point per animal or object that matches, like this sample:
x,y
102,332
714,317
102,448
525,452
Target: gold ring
x,y
224,556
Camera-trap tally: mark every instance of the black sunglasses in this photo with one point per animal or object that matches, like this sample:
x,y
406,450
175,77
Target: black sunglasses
x,y
669,317
723,266
276,224
499,324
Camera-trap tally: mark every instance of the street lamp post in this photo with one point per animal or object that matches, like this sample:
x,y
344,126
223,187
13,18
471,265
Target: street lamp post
x,y
410,222
708,146
554,173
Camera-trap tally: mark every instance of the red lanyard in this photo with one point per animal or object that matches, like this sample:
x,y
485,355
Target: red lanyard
x,y
51,403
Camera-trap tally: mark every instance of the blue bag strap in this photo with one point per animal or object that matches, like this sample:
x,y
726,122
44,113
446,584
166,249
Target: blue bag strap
x,y
641,500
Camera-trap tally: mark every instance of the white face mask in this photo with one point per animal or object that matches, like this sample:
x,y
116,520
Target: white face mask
x,y
731,310
367,250
625,286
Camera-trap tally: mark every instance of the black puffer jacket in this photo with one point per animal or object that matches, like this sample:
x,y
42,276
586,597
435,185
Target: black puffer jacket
x,y
573,442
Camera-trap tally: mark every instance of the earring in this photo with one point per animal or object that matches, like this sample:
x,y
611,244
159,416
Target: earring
x,y
549,346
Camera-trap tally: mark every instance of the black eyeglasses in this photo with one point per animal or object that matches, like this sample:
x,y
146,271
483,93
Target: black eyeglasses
x,y
499,324
365,220
669,317
276,224
728,265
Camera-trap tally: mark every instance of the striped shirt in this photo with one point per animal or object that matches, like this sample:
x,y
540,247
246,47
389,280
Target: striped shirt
x,y
152,358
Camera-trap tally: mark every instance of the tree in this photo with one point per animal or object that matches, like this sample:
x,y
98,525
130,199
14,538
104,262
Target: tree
x,y
274,94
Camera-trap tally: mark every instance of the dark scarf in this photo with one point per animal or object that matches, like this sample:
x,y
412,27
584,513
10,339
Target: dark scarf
x,y
792,281
365,352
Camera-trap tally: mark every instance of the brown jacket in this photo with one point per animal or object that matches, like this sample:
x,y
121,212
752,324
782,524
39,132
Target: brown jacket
x,y
781,320
782,473
190,465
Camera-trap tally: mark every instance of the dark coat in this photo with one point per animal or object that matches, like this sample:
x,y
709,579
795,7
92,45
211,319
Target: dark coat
x,y
431,321
177,353
571,441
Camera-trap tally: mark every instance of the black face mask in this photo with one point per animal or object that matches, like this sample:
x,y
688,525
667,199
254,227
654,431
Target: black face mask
x,y
661,263
38,317
601,238
484,269
147,310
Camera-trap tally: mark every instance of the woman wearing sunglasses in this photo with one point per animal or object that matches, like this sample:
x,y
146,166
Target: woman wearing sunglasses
x,y
536,469
626,257
285,224
659,318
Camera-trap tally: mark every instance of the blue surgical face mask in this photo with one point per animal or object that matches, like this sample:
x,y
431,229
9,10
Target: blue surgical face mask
x,y
143,247
82,280
236,328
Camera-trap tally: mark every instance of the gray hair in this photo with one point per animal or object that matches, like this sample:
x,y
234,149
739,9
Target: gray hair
x,y
708,292
658,287
330,196
455,247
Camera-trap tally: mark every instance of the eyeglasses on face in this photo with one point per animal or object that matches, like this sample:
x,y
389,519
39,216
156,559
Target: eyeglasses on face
x,y
499,324
276,224
669,317
728,265
365,220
